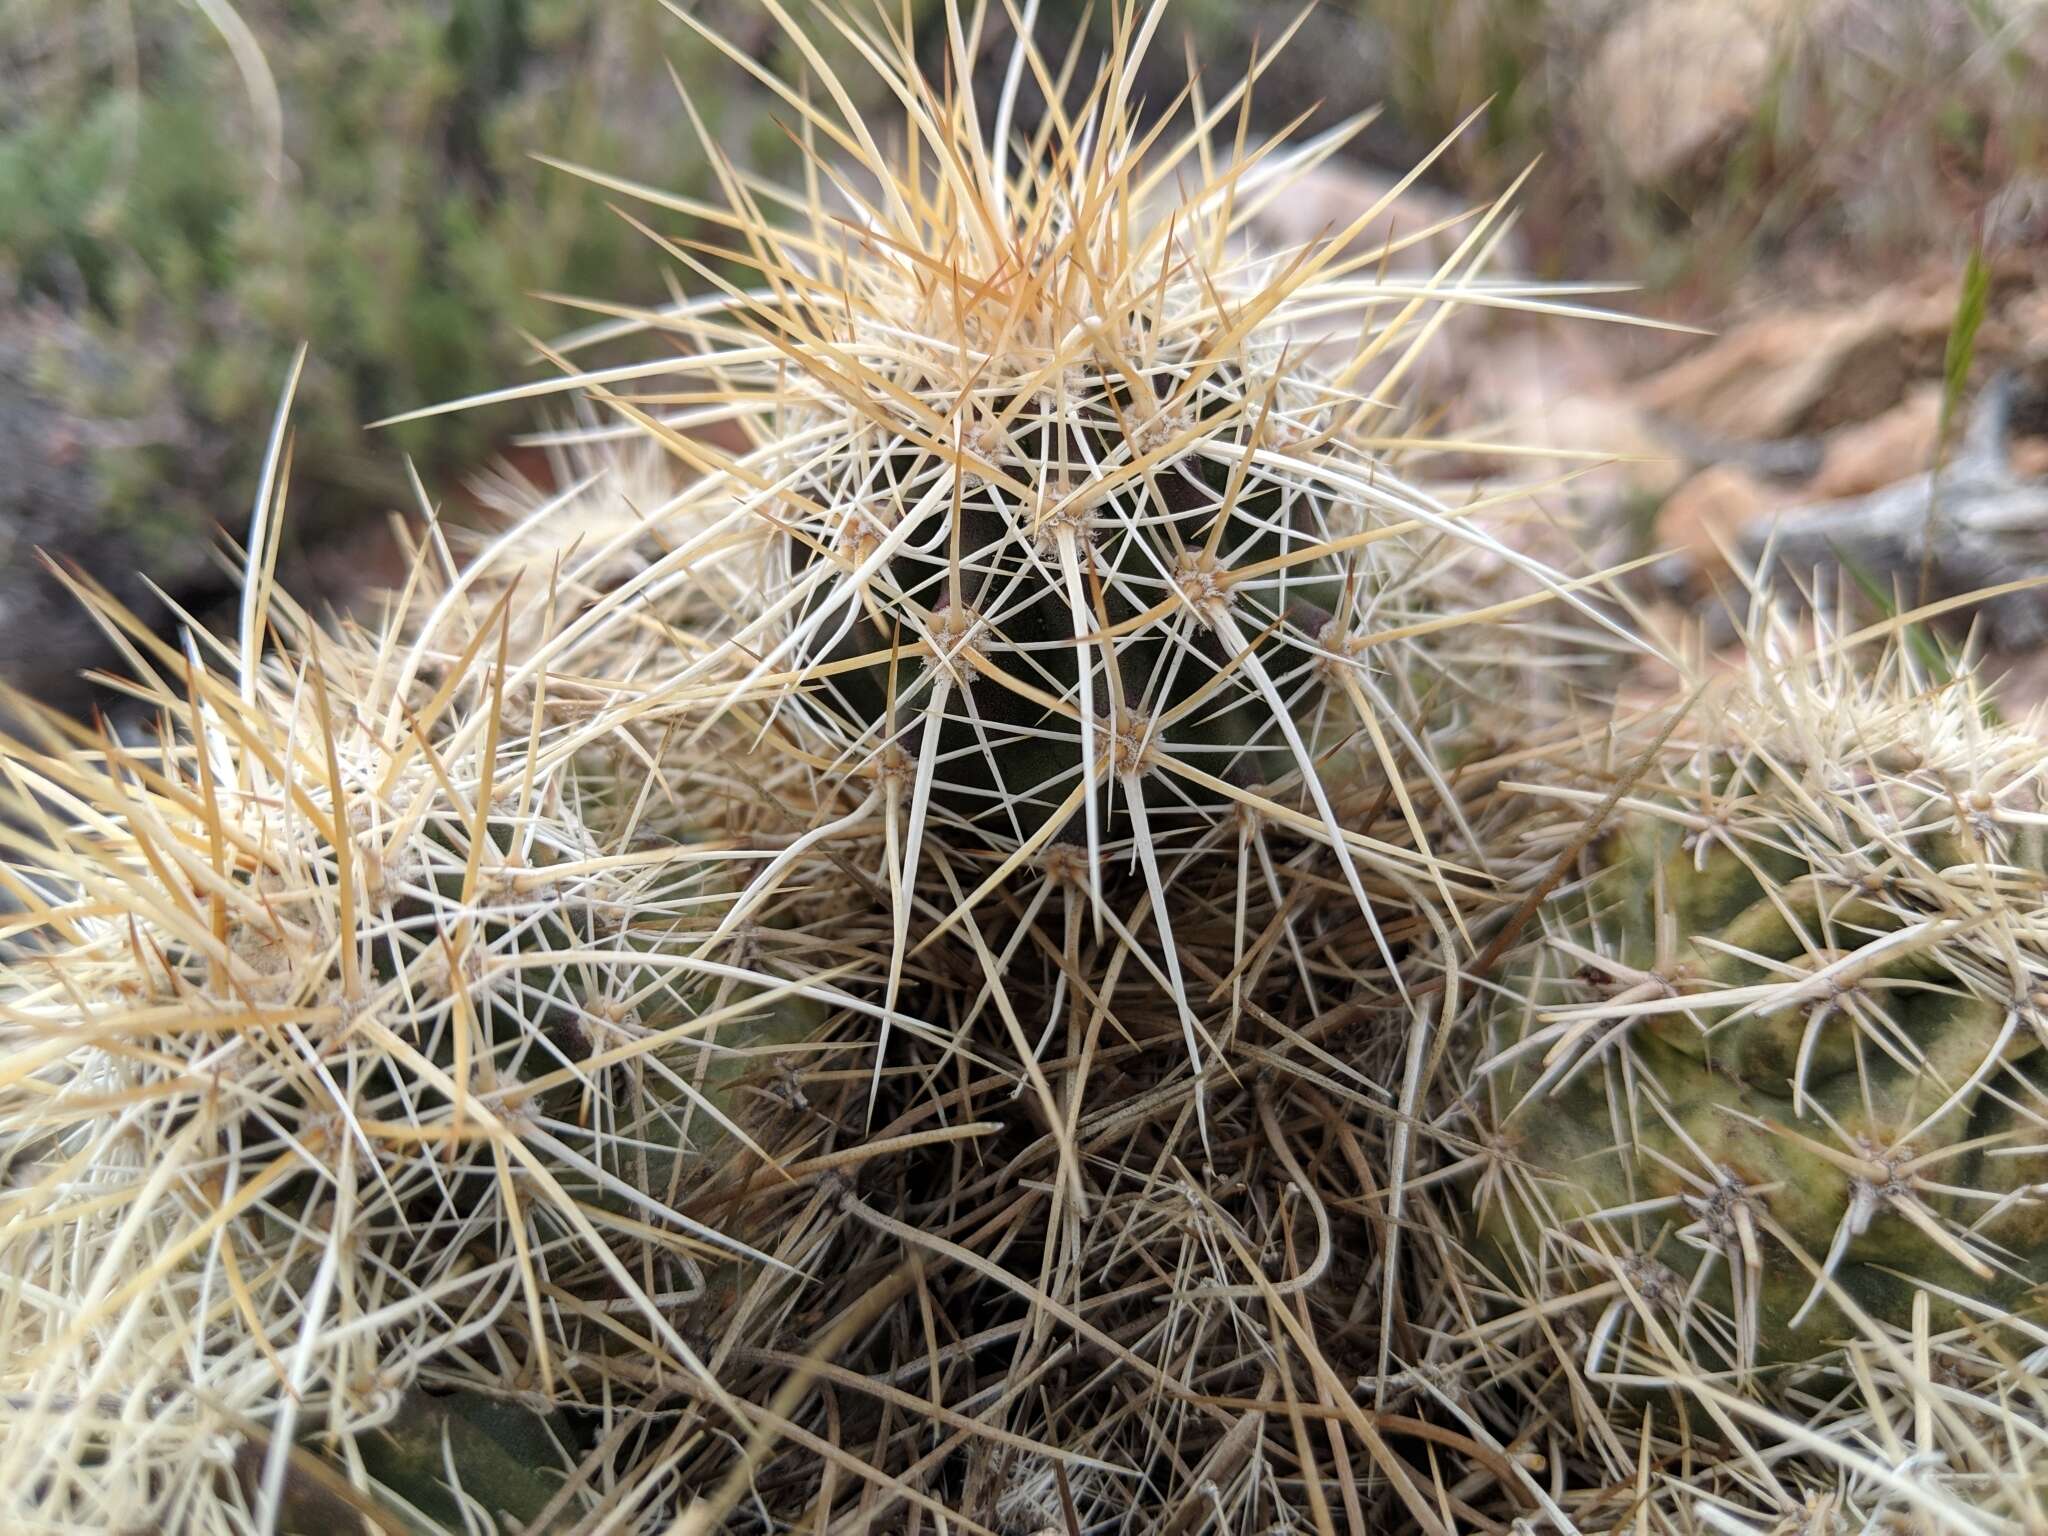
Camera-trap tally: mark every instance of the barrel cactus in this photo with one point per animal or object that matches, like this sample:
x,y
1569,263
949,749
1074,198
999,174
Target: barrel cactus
x,y
1073,526
344,1062
1776,1064
1082,546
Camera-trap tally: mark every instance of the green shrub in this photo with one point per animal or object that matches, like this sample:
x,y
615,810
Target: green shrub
x,y
395,222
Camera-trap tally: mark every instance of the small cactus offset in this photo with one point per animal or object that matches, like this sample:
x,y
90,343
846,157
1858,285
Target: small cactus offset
x,y
344,1063
1766,1079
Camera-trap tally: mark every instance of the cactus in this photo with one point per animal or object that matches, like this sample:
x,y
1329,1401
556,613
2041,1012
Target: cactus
x,y
1090,659
339,1049
445,1079
436,1454
1056,541
1773,1068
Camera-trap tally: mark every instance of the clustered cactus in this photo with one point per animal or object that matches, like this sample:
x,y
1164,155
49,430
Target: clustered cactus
x,y
1049,943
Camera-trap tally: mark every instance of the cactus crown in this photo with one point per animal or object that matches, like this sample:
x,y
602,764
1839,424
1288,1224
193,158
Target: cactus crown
x,y
1064,535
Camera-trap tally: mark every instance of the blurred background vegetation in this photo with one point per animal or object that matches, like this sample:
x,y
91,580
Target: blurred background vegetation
x,y
189,188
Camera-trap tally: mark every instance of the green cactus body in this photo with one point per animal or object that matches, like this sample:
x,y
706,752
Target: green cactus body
x,y
1025,583
442,1457
1779,1069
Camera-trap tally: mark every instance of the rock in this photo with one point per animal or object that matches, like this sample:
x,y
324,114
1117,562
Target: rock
x,y
1883,450
2018,216
2029,458
1329,198
1710,512
1645,466
2028,317
1674,81
1798,371
54,499
1976,525
1672,84
2022,685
